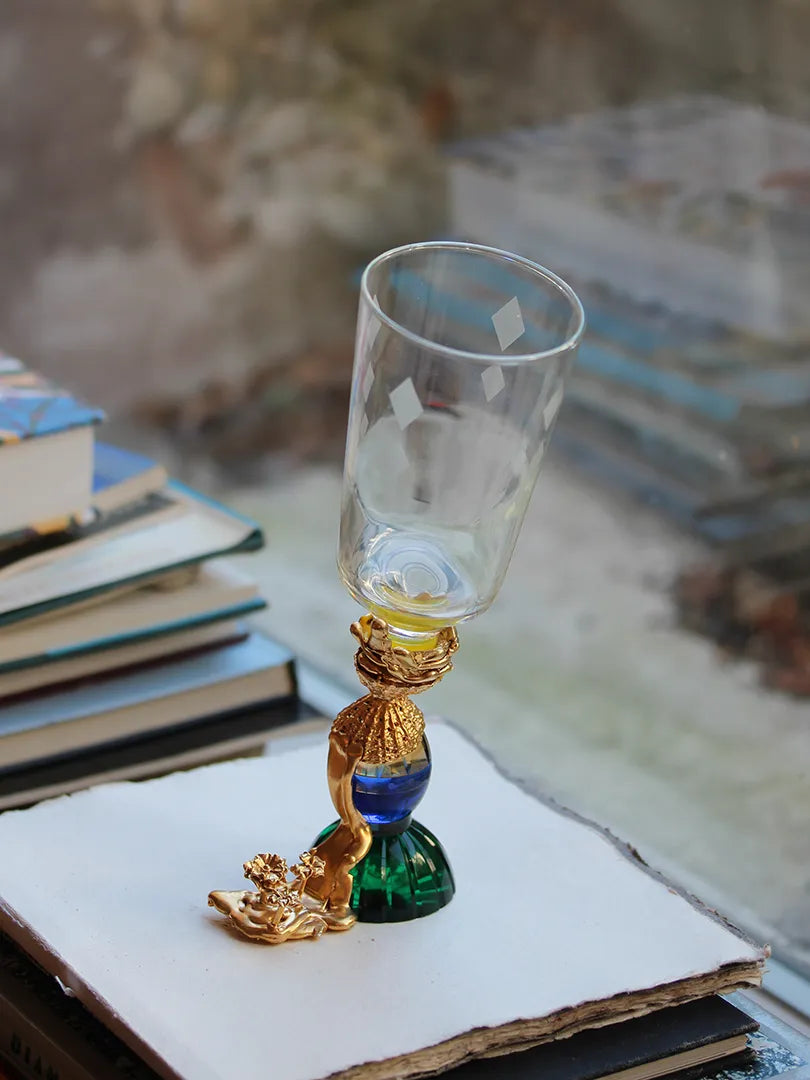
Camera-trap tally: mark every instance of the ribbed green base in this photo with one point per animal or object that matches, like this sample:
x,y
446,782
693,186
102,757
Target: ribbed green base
x,y
404,876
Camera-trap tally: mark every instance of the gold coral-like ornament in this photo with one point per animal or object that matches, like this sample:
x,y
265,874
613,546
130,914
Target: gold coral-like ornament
x,y
392,671
279,910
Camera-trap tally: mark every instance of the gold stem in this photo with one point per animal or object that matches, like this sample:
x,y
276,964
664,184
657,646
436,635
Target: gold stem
x,y
350,841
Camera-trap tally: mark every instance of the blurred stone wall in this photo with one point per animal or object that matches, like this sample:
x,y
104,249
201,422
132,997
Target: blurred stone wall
x,y
188,187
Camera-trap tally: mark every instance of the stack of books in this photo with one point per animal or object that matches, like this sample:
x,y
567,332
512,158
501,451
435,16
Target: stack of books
x,y
561,956
123,645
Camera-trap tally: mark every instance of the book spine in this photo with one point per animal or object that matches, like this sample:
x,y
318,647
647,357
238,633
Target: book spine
x,y
34,1053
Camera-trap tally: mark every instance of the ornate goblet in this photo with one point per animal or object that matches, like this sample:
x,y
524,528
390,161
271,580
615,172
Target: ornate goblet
x,y
461,357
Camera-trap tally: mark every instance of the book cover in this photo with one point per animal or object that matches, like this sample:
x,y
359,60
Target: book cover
x,y
643,1045
60,675
46,436
555,927
213,592
163,628
31,406
208,739
127,548
130,705
121,476
41,543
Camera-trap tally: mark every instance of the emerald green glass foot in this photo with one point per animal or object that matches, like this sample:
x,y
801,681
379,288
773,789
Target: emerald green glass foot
x,y
406,875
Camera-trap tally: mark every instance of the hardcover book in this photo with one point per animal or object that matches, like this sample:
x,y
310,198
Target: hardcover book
x,y
121,477
129,705
31,406
217,592
555,927
207,739
46,437
58,676
173,531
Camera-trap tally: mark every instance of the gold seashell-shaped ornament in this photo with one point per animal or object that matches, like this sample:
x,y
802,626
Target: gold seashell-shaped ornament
x,y
386,729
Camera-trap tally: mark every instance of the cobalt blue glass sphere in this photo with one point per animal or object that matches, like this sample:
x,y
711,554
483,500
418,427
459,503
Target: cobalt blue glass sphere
x,y
387,795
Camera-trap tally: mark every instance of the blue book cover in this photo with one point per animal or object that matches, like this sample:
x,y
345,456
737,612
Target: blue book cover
x,y
116,691
113,467
31,406
167,628
122,476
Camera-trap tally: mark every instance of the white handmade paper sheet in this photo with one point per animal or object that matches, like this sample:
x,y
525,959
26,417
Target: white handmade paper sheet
x,y
548,914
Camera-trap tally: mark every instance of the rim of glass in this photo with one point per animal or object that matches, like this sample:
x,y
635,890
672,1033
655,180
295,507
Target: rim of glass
x,y
548,276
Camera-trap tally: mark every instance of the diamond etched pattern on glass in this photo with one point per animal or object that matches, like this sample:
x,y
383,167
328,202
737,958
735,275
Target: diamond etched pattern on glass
x,y
508,323
406,404
553,407
493,382
367,382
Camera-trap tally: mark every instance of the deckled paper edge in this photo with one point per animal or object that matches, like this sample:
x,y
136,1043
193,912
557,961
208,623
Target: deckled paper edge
x,y
629,851
525,1033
